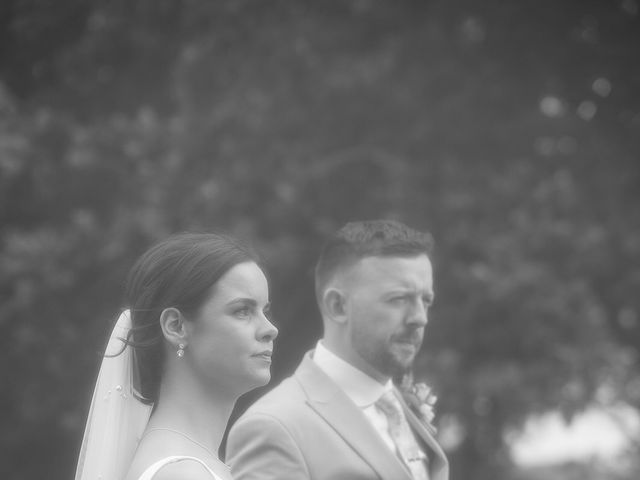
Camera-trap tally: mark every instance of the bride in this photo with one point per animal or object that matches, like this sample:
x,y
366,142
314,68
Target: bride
x,y
196,337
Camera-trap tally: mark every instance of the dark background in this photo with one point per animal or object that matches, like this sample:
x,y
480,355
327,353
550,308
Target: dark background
x,y
509,129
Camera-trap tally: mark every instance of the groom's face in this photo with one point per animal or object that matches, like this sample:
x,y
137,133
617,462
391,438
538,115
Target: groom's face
x,y
387,303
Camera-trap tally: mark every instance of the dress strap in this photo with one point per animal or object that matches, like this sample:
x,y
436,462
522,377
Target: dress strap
x,y
149,473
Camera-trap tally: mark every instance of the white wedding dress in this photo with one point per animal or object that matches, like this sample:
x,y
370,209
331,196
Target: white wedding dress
x,y
153,469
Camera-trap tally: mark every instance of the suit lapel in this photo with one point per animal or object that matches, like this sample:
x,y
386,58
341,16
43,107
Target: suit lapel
x,y
337,410
439,468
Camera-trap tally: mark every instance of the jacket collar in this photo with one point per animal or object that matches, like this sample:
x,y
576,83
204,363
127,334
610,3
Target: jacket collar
x,y
338,411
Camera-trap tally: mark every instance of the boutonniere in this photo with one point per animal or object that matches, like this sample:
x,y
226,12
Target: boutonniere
x,y
420,399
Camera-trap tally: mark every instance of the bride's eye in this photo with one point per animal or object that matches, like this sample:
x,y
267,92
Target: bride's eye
x,y
242,312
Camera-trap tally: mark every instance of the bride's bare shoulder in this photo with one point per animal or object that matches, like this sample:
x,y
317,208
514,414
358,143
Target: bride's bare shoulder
x,y
159,458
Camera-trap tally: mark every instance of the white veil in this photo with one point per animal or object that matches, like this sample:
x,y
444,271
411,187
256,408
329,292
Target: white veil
x,y
117,418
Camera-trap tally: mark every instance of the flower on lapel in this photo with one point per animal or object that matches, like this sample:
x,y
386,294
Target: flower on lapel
x,y
420,399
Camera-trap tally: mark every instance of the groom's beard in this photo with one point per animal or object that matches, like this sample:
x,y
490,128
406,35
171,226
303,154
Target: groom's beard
x,y
392,357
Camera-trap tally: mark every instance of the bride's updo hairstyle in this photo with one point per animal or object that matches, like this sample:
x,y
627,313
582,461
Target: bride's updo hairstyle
x,y
178,272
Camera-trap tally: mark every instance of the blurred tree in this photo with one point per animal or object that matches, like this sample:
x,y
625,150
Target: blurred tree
x,y
510,131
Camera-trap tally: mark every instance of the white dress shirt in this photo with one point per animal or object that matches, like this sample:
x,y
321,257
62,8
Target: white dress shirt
x,y
363,390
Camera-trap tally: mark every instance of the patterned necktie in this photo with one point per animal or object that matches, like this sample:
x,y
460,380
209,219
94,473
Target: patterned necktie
x,y
401,434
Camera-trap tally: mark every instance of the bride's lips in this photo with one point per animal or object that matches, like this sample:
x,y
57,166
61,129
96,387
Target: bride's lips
x,y
264,355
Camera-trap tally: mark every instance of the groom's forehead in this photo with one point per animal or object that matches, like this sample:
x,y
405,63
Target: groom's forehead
x,y
389,271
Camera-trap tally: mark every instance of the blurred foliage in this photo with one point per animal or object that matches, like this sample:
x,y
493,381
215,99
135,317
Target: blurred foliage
x,y
510,130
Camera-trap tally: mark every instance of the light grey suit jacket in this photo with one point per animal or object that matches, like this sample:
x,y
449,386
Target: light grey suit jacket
x,y
307,428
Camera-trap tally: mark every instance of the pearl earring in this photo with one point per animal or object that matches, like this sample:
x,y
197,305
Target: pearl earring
x,y
180,351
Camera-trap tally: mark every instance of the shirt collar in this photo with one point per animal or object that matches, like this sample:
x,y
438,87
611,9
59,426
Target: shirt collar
x,y
357,385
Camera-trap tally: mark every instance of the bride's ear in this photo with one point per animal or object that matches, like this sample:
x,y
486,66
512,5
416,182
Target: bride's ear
x,y
173,327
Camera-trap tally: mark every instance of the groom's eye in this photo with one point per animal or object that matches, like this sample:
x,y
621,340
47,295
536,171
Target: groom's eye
x,y
398,299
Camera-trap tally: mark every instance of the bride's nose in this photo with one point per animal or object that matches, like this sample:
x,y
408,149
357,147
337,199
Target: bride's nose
x,y
267,331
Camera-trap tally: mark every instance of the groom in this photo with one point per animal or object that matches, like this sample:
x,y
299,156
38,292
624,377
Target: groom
x,y
340,416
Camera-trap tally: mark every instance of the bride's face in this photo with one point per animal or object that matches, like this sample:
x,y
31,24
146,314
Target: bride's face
x,y
231,339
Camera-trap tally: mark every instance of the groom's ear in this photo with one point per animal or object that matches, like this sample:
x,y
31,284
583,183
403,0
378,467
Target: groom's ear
x,y
173,327
334,303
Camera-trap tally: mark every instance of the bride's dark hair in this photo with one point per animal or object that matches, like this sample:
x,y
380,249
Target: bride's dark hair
x,y
178,272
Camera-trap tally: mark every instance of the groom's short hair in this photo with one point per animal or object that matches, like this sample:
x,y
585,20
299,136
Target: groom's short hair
x,y
370,238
